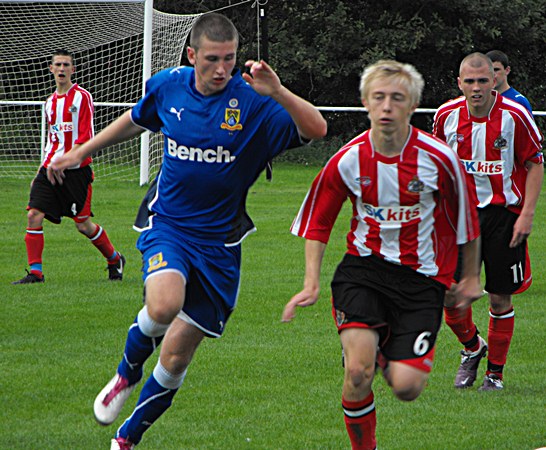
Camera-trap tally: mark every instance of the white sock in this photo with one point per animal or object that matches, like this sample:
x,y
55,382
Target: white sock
x,y
167,379
149,326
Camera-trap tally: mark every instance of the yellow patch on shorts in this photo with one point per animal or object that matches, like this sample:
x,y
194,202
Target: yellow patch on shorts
x,y
156,262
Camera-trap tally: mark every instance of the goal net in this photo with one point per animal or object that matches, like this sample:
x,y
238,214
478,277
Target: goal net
x,y
116,45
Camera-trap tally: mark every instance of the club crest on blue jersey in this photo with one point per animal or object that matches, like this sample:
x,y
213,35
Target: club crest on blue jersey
x,y
232,117
156,262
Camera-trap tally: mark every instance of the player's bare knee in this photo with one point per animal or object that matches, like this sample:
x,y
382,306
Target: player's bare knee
x,y
86,228
359,376
165,311
164,296
175,362
500,303
407,395
408,390
79,227
163,306
35,218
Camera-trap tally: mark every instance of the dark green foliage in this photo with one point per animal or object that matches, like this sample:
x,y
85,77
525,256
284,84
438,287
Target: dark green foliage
x,y
319,48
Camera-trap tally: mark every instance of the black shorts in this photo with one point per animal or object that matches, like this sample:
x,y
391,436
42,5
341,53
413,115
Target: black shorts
x,y
505,268
70,199
405,307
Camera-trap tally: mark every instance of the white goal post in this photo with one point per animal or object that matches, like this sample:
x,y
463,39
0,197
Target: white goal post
x,y
117,45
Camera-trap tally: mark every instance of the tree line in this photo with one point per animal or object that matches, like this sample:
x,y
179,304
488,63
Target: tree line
x,y
320,48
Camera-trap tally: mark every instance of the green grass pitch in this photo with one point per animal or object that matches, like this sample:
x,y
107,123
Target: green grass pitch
x,y
265,384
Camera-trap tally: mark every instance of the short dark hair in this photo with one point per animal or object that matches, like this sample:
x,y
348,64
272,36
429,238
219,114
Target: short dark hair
x,y
62,52
498,56
214,26
477,60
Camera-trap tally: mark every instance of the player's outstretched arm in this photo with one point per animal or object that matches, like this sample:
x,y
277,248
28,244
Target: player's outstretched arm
x,y
307,118
469,288
118,131
314,251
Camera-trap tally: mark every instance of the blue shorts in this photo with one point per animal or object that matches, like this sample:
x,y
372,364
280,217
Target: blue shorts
x,y
212,274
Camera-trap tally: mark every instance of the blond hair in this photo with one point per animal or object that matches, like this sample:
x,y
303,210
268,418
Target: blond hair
x,y
405,74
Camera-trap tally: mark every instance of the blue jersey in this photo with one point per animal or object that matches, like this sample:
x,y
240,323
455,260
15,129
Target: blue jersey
x,y
512,94
215,147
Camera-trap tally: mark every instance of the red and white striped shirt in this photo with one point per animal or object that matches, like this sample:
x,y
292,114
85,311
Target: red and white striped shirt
x,y
412,209
493,149
70,121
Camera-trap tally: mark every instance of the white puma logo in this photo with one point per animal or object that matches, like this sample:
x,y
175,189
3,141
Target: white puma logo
x,y
178,112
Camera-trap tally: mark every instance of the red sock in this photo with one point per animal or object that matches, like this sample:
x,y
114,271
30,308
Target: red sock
x,y
462,325
100,240
34,240
360,421
499,336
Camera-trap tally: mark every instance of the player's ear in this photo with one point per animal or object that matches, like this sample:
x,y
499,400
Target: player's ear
x,y
459,83
191,55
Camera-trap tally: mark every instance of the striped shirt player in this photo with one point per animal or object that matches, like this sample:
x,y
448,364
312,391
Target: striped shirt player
x,y
410,210
69,118
500,147
493,149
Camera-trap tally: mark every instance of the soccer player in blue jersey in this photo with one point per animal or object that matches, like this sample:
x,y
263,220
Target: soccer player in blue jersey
x,y
221,128
502,69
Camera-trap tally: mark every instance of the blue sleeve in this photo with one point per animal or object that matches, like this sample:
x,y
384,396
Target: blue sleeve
x,y
282,133
523,100
145,112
